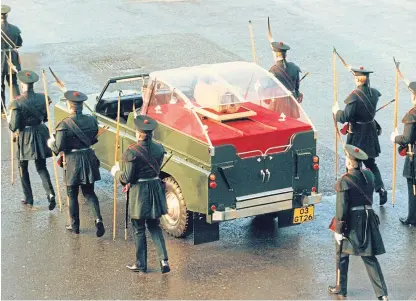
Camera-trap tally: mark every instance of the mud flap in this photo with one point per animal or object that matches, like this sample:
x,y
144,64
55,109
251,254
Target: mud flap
x,y
204,232
285,219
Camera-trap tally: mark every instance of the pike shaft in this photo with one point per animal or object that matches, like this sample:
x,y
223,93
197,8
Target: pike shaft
x,y
58,188
115,162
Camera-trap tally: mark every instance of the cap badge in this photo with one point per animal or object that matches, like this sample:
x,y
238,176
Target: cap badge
x,y
356,150
361,68
76,94
281,43
146,121
27,73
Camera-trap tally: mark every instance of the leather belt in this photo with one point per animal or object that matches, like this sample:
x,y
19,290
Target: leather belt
x,y
366,122
147,179
78,150
362,207
29,126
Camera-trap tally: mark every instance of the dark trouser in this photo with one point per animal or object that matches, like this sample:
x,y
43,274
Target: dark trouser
x,y
44,175
370,163
411,216
373,270
141,244
89,194
16,90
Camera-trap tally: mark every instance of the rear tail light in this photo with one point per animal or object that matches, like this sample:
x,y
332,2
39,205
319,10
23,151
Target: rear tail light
x,y
213,184
315,166
313,189
315,159
213,208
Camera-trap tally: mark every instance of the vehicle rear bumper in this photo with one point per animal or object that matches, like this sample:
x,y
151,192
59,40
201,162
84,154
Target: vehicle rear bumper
x,y
245,210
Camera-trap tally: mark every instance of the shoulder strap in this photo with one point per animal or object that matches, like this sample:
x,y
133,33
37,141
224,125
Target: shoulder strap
x,y
140,150
77,131
356,186
362,100
32,110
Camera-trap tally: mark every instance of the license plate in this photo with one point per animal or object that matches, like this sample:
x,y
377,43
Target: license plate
x,y
302,215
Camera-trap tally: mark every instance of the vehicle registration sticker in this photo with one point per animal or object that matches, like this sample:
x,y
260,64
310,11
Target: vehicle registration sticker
x,y
304,214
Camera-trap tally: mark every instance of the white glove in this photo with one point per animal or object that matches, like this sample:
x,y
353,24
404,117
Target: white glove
x,y
393,136
335,108
114,169
338,237
51,141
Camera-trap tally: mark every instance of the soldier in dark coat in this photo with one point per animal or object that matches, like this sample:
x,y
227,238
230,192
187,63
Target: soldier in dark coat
x,y
409,138
26,118
359,112
147,202
12,33
74,137
356,224
288,74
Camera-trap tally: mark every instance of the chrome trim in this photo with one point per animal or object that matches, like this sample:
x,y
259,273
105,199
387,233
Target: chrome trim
x,y
288,196
263,194
230,214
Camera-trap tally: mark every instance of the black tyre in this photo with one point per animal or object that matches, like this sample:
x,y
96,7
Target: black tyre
x,y
178,221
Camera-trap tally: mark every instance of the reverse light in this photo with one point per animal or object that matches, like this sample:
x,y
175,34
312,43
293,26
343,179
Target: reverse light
x,y
315,159
213,208
315,166
212,177
213,185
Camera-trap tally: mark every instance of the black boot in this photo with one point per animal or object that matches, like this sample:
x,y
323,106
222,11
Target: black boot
x,y
52,203
405,221
164,266
385,298
336,291
136,269
69,228
383,196
100,228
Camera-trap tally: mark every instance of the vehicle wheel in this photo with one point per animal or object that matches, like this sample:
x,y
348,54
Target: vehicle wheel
x,y
178,221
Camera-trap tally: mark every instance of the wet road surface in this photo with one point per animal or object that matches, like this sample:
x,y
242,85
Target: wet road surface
x,y
87,42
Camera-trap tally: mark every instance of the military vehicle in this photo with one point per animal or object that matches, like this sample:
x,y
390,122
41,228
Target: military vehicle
x,y
238,144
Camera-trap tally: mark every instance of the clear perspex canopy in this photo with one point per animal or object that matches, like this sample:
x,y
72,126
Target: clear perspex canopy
x,y
216,91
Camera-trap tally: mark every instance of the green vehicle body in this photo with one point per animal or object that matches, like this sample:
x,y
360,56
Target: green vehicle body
x,y
266,184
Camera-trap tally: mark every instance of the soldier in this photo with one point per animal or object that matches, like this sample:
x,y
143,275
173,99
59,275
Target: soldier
x,y
10,33
409,137
74,137
286,72
26,117
360,111
147,202
356,224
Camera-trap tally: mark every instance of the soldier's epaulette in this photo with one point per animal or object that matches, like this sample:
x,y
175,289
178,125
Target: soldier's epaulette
x,y
61,126
342,184
410,116
129,155
351,98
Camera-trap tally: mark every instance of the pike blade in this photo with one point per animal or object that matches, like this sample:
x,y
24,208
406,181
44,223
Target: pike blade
x,y
60,83
269,32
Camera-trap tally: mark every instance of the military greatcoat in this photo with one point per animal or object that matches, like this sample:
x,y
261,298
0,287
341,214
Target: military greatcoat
x,y
409,136
360,111
141,170
288,76
28,114
13,32
81,162
360,227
